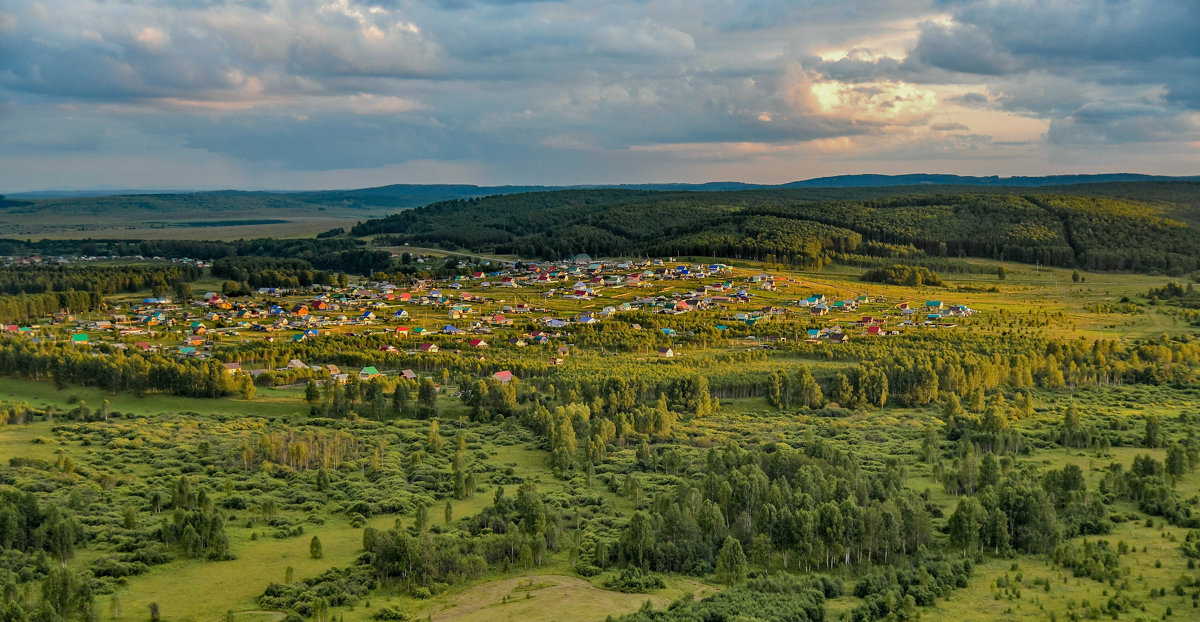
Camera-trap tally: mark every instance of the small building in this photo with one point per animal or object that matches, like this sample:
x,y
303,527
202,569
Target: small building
x,y
504,377
368,372
666,353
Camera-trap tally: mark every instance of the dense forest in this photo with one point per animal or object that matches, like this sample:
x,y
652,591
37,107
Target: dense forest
x,y
778,226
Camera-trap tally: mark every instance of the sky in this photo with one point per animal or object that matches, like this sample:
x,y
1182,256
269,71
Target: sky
x,y
298,94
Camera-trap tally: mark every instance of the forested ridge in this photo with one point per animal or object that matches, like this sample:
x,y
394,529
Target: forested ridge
x,y
1097,233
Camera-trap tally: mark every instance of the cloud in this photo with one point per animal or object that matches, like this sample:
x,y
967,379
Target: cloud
x,y
641,39
1119,123
557,90
964,48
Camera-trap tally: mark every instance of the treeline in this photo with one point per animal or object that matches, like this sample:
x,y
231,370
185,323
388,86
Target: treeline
x,y
912,276
1096,233
334,254
360,351
135,372
272,272
102,279
17,308
938,264
965,364
911,369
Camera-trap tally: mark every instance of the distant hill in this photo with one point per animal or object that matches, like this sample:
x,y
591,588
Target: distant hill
x,y
428,193
858,181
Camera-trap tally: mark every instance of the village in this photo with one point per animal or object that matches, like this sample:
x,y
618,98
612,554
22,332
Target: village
x,y
492,306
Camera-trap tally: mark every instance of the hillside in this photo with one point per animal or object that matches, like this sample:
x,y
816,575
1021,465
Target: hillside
x,y
230,215
807,227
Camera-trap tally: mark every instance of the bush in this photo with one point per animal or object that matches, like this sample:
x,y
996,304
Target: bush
x,y
389,614
634,580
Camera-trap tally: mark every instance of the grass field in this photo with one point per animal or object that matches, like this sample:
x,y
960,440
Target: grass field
x,y
158,438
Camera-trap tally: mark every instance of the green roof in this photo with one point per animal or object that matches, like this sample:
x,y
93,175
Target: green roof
x,y
369,371
79,337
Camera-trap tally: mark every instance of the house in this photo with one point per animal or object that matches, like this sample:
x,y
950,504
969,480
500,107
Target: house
x,y
504,377
401,331
367,373
429,348
387,348
408,374
300,309
333,369
556,361
296,364
666,353
478,343
233,368
79,339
